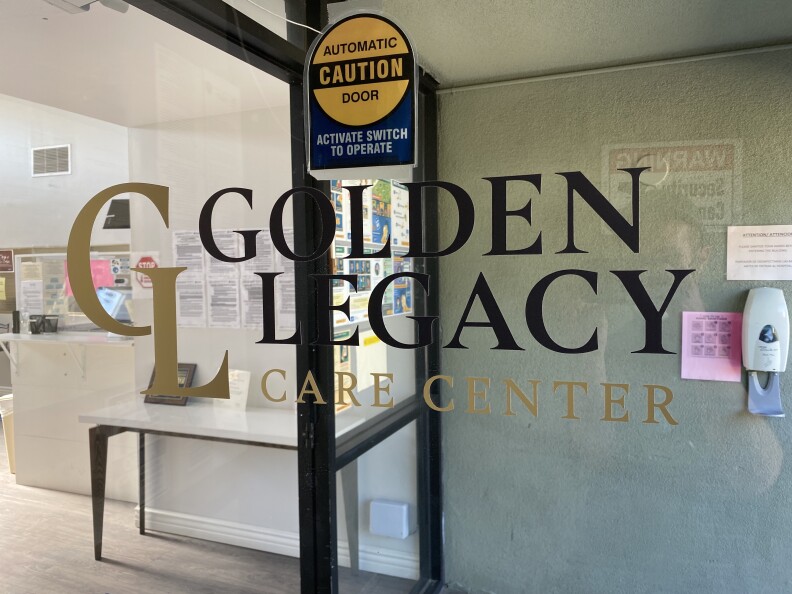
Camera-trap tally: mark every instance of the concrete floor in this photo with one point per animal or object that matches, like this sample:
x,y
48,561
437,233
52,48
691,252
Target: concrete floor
x,y
46,547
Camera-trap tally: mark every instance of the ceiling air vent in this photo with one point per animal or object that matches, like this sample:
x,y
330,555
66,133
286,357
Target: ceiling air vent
x,y
52,160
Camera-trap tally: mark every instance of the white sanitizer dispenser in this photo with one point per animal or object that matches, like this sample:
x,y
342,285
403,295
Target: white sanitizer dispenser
x,y
765,345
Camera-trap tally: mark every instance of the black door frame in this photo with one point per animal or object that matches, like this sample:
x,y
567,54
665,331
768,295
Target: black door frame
x,y
320,456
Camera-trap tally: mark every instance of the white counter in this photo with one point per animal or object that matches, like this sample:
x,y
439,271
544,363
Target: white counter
x,y
54,378
87,338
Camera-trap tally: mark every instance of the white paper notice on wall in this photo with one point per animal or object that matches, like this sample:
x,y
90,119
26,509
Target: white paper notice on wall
x,y
761,252
30,271
251,290
238,385
31,298
190,296
287,306
222,283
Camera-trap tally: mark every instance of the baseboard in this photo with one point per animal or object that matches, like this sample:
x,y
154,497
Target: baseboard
x,y
374,559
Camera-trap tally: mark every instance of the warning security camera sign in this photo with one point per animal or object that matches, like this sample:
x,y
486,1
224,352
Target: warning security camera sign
x,y
360,96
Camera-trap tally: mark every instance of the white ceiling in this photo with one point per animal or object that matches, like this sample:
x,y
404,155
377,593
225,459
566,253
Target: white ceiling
x,y
132,69
129,69
472,41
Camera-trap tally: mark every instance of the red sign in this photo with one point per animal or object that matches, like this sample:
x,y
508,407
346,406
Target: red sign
x,y
143,279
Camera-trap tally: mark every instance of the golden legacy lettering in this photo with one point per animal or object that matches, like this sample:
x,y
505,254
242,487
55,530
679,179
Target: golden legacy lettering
x,y
613,394
163,280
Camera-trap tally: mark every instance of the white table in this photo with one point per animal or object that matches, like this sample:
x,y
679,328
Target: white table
x,y
271,428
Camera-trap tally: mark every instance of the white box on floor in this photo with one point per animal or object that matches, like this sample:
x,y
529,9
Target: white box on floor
x,y
392,518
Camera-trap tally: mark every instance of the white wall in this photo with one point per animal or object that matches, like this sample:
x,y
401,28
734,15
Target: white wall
x,y
39,211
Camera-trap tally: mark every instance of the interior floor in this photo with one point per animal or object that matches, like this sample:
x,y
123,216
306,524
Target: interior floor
x,y
46,546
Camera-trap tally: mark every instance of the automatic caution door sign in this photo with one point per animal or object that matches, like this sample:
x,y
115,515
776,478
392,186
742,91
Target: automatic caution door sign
x,y
360,97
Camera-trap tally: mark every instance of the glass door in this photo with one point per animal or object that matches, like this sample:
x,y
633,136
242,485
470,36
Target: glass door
x,y
368,447
370,502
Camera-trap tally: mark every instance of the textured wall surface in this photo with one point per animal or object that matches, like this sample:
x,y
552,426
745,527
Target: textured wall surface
x,y
549,504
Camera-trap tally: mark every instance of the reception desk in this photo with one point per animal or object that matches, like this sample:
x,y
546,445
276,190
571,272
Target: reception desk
x,y
55,378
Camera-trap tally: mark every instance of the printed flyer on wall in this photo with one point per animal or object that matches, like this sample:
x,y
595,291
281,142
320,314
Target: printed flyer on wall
x,y
711,346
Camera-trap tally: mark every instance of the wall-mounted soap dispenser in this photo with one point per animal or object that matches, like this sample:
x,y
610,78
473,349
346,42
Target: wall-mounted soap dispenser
x,y
765,345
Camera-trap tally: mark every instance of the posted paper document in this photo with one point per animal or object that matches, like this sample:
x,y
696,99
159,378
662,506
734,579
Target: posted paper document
x,y
711,346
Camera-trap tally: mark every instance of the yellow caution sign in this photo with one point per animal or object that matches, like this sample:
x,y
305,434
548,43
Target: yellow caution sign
x,y
361,95
361,70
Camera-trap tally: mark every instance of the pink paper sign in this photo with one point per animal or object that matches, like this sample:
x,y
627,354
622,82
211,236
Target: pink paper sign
x,y
711,346
100,272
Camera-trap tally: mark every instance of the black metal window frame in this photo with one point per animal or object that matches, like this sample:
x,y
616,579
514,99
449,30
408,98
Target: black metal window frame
x,y
320,456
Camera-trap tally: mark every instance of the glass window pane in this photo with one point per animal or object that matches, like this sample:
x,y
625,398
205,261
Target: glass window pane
x,y
385,510
92,99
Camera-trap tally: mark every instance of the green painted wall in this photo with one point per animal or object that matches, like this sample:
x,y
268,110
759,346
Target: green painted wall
x,y
548,504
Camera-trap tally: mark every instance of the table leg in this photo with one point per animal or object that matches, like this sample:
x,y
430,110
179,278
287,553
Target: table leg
x,y
142,482
349,487
97,444
97,439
